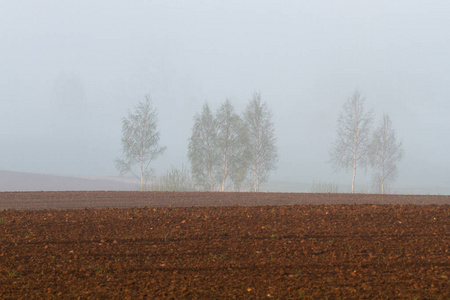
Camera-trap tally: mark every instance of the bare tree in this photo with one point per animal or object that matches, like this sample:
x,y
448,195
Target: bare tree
x,y
386,152
231,146
139,141
202,150
260,128
351,148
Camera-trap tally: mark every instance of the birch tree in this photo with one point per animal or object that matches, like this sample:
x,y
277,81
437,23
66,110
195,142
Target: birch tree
x,y
261,134
386,152
140,139
231,146
202,150
351,148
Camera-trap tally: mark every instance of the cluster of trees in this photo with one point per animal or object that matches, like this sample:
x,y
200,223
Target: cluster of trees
x,y
225,148
358,144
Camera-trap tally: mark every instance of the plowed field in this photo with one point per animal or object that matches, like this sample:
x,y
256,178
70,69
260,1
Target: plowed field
x,y
223,245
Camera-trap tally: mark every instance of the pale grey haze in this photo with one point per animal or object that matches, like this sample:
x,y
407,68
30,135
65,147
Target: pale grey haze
x,y
70,71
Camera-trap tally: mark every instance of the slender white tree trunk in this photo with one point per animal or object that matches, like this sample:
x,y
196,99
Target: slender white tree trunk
x,y
211,183
355,150
142,169
254,169
257,174
256,165
141,154
354,163
382,178
225,173
354,175
383,161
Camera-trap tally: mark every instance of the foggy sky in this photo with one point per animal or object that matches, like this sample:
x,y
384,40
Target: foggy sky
x,y
71,70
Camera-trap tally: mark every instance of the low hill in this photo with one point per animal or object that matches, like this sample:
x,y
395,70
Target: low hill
x,y
20,181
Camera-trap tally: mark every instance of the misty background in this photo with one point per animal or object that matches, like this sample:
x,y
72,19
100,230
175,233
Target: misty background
x,y
70,71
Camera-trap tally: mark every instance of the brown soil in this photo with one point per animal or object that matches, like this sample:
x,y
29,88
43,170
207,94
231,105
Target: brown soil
x,y
70,200
249,250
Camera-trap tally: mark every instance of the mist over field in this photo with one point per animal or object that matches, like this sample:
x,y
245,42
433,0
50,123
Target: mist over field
x,y
71,71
